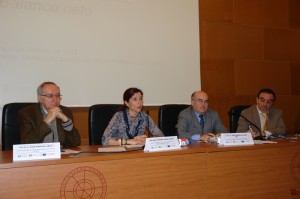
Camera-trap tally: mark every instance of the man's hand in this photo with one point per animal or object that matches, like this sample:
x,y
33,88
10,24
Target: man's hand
x,y
254,134
206,136
53,113
62,116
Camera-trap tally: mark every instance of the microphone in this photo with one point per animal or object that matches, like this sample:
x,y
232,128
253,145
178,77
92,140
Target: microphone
x,y
260,137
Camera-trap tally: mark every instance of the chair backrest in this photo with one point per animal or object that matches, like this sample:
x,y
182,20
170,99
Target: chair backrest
x,y
98,119
10,126
168,116
234,115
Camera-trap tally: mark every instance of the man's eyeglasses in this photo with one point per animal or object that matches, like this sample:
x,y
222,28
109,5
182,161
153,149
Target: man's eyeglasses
x,y
201,101
51,96
268,102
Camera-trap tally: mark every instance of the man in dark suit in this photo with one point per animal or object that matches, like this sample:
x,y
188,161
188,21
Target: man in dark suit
x,y
264,117
48,121
198,122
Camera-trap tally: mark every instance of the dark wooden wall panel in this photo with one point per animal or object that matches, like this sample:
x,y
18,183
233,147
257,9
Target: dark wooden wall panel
x,y
261,12
222,10
251,76
261,42
223,81
230,41
295,78
80,115
282,44
294,13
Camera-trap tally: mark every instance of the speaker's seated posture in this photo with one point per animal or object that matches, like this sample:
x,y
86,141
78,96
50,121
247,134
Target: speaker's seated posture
x,y
99,117
168,116
234,115
10,126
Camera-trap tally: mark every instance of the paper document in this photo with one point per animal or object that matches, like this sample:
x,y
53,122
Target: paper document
x,y
120,148
134,146
69,151
264,142
112,149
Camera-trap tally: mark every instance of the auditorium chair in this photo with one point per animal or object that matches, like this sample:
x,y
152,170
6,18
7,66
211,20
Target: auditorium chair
x,y
98,119
10,126
168,116
234,115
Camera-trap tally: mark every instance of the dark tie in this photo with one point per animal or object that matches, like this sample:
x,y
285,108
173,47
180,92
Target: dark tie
x,y
201,123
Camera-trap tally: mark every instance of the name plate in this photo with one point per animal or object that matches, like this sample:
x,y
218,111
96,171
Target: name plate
x,y
40,151
161,143
236,139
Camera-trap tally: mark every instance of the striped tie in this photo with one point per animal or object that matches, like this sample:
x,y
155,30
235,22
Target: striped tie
x,y
201,123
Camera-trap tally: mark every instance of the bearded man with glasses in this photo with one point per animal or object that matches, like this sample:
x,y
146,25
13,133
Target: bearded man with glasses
x,y
47,121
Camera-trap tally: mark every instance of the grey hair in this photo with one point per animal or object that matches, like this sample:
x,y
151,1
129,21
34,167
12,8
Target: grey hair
x,y
41,86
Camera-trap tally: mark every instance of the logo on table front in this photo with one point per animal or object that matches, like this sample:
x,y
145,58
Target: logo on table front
x,y
82,183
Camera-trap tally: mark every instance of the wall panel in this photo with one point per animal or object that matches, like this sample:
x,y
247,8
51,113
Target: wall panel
x,y
261,12
261,41
230,41
222,10
282,44
80,115
295,78
222,82
251,76
294,13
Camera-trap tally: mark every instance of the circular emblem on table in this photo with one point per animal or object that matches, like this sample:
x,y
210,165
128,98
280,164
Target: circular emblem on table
x,y
83,183
295,167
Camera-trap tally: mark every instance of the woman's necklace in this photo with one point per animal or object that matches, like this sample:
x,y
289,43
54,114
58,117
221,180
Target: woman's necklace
x,y
127,125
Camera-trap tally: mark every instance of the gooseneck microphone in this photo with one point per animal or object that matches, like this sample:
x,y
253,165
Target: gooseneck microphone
x,y
260,137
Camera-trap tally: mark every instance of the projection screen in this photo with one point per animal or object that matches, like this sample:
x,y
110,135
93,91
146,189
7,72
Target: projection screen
x,y
95,49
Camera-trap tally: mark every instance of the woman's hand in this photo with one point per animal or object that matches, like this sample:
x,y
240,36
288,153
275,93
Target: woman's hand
x,y
137,140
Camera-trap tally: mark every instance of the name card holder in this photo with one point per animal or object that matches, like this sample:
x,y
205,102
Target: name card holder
x,y
40,151
161,143
236,139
